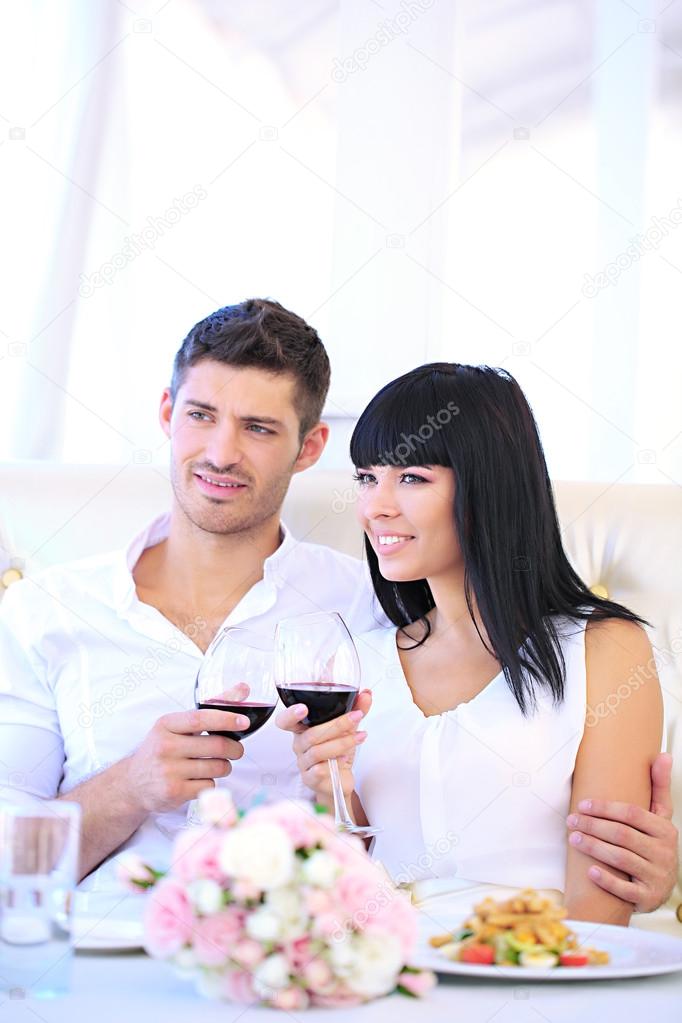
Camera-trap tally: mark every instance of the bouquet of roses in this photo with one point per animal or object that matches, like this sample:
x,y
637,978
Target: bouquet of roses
x,y
277,907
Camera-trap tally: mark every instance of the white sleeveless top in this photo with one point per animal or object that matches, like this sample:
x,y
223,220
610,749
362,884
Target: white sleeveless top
x,y
478,794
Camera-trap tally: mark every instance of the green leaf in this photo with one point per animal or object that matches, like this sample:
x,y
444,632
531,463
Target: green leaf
x,y
400,990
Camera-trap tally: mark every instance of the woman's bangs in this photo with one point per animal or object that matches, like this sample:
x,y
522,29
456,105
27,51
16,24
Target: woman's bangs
x,y
404,424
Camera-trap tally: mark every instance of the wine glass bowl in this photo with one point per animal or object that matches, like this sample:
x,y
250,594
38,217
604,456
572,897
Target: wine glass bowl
x,y
236,675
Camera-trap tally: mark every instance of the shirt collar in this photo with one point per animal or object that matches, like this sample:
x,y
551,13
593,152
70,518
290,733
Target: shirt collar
x,y
157,530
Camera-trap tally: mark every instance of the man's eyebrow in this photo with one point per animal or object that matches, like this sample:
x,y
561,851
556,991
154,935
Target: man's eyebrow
x,y
199,404
243,419
261,419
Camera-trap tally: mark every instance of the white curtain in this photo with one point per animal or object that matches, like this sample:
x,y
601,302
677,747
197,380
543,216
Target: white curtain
x,y
423,180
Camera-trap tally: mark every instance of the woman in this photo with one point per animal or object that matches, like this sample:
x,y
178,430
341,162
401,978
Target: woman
x,y
485,729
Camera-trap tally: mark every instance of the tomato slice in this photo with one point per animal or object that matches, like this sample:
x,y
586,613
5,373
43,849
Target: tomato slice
x,y
573,959
482,955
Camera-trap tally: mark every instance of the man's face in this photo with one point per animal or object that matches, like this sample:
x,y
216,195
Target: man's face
x,y
235,445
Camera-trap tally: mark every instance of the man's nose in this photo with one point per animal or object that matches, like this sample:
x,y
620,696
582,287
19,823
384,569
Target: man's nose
x,y
223,448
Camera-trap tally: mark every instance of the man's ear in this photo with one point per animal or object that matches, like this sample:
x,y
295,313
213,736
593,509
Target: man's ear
x,y
166,411
313,445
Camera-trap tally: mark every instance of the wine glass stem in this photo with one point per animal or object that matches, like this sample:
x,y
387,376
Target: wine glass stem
x,y
342,818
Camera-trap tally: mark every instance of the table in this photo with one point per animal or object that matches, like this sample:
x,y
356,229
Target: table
x,y
131,988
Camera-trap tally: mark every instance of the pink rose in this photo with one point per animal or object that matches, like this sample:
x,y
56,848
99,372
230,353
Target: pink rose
x,y
299,953
367,902
168,919
238,988
134,874
318,902
248,953
359,894
395,915
295,818
195,855
418,984
245,891
290,998
400,919
216,806
349,850
215,936
318,976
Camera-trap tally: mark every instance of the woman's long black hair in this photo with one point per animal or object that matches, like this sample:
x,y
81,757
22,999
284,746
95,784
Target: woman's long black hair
x,y
476,421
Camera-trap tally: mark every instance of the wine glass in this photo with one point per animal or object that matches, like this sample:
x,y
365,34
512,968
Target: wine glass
x,y
235,659
316,663
238,657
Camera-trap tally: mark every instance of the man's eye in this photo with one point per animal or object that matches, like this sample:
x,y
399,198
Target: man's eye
x,y
258,428
197,416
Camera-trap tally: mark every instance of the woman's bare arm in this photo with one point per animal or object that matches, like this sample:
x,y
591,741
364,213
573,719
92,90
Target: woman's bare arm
x,y
621,739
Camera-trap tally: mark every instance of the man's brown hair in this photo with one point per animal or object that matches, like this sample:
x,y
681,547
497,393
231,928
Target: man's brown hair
x,y
262,334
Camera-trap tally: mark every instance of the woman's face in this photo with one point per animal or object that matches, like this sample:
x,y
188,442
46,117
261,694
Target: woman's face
x,y
408,515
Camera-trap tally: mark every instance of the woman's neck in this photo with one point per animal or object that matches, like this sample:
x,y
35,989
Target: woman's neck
x,y
451,613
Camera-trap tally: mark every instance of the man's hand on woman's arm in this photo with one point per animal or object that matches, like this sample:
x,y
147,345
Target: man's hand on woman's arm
x,y
173,764
642,843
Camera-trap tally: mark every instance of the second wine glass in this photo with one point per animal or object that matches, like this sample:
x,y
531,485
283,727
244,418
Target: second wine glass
x,y
316,664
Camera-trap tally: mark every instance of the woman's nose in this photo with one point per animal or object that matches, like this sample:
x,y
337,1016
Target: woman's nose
x,y
379,501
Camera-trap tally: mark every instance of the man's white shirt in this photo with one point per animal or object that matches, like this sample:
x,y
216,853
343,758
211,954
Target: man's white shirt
x,y
86,669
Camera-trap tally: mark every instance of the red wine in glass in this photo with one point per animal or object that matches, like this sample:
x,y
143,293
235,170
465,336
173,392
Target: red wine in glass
x,y
324,702
257,713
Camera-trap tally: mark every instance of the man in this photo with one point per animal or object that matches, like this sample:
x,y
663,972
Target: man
x,y
82,718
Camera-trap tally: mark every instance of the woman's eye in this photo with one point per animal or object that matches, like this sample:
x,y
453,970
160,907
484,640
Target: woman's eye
x,y
410,477
362,477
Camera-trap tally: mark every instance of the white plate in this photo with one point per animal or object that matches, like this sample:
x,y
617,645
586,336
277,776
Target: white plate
x,y
634,953
101,934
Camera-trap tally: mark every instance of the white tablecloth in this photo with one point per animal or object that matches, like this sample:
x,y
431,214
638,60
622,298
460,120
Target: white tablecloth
x,y
130,988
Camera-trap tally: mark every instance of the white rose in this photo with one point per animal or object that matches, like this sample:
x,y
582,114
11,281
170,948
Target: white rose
x,y
369,963
259,853
342,956
262,925
206,895
286,904
271,975
321,869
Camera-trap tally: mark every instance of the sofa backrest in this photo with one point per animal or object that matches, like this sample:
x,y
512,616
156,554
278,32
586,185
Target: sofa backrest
x,y
625,539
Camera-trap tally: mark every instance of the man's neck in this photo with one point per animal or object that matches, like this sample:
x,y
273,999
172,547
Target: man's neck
x,y
196,575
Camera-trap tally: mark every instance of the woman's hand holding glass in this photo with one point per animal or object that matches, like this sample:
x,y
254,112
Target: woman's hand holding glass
x,y
335,740
317,672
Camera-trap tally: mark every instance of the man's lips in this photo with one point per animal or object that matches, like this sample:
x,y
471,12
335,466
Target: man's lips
x,y
223,486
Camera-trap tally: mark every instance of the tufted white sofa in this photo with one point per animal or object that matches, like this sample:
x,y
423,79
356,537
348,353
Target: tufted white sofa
x,y
626,539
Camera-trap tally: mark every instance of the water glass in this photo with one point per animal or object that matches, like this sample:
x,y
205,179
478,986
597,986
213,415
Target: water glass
x,y
39,846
